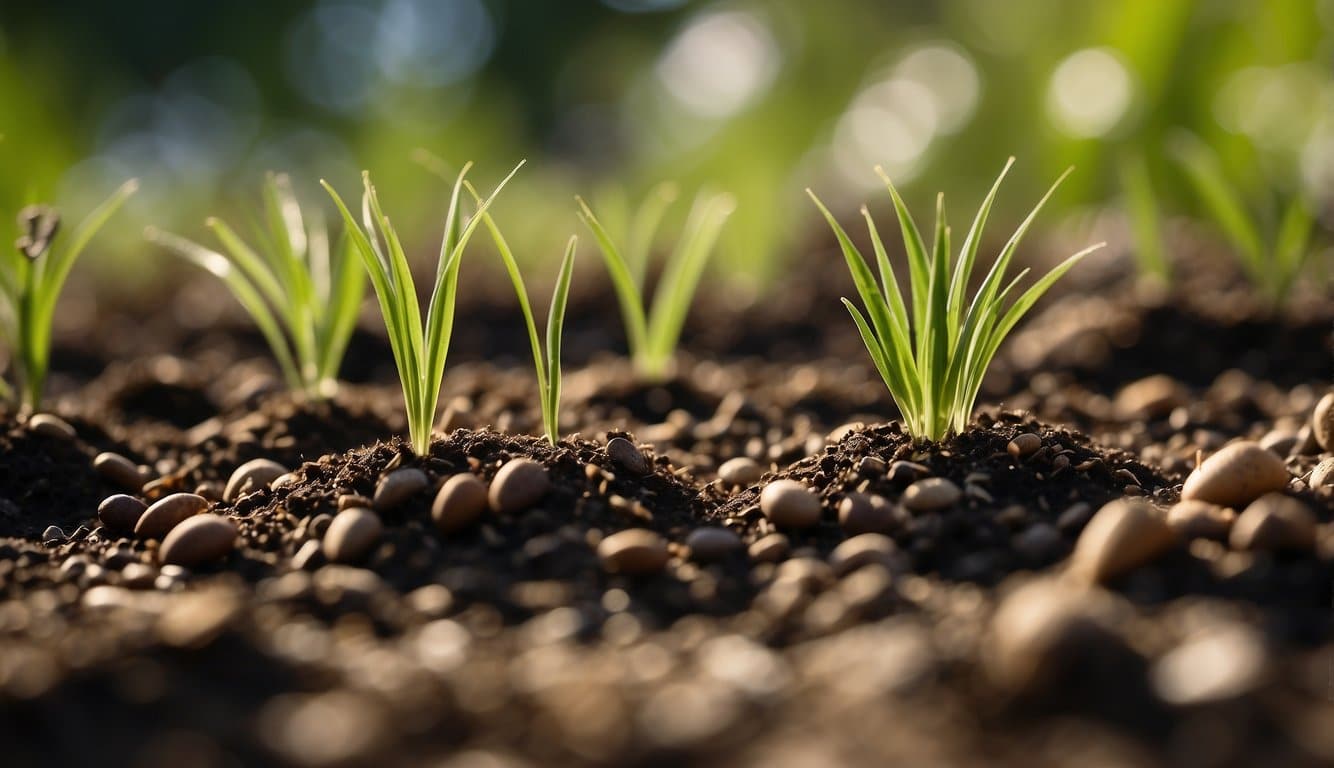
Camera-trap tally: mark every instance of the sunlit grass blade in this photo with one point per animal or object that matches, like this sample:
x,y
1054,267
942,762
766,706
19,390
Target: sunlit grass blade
x,y
1141,205
1205,174
555,325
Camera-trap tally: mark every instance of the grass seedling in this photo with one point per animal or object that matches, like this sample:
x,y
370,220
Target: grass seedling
x,y
933,357
653,335
31,278
1272,263
420,344
1141,206
302,294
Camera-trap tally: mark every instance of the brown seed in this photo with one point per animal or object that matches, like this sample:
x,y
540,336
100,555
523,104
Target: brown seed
x,y
769,549
862,550
1024,445
625,455
119,471
199,540
252,476
1195,519
1322,422
168,512
931,494
399,486
460,501
518,485
1235,476
636,550
52,426
1151,397
1322,475
712,543
1046,628
120,512
865,513
789,504
1274,522
1122,536
352,535
740,471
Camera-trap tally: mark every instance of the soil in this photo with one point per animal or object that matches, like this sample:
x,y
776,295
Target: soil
x,y
510,643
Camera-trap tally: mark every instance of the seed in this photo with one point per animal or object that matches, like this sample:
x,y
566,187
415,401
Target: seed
x,y
352,535
741,471
53,535
1153,397
769,549
1235,476
865,513
1323,474
789,504
119,471
120,512
712,543
168,512
399,486
1195,519
931,494
862,550
252,476
1274,522
1024,445
1122,536
636,550
199,540
1322,422
625,455
460,501
518,485
52,426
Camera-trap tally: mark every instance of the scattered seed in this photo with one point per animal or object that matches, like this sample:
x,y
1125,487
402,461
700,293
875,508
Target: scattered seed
x,y
1195,519
1322,422
872,466
1024,445
120,512
1043,629
712,543
397,487
1322,475
119,471
168,512
866,513
252,476
52,426
633,551
1152,397
769,549
53,535
1274,522
1235,476
518,485
931,494
625,455
789,504
352,535
740,472
1122,536
862,550
903,472
199,540
459,503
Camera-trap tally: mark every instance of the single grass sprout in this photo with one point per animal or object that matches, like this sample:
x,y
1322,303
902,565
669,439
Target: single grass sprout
x,y
933,354
31,278
420,345
1273,264
302,293
1141,207
653,334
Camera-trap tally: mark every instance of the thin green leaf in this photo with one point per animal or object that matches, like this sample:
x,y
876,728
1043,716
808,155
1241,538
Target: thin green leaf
x,y
1205,174
623,282
555,328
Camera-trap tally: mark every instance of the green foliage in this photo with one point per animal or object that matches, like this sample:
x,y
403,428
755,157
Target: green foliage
x,y
31,278
933,354
1141,205
302,294
1272,261
420,344
653,334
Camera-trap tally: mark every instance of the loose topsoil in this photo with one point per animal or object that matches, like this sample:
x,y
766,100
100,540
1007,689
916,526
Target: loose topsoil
x,y
892,630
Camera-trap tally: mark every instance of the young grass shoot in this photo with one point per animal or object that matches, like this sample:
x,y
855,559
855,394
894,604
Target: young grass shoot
x,y
420,344
31,278
302,293
932,351
653,333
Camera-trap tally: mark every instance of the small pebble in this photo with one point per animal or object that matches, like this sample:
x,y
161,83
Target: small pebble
x,y
769,549
1322,475
309,556
625,455
460,501
518,485
865,513
1039,543
1235,476
633,551
1322,422
741,471
1218,664
931,494
52,426
1024,445
53,535
862,550
352,535
1195,519
119,471
789,504
713,543
1152,397
120,512
1044,629
1274,522
252,476
199,540
872,466
168,512
397,487
1122,536
138,576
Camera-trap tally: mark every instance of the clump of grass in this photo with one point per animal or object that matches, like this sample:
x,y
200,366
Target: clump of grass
x,y
933,354
654,333
1272,261
420,344
302,294
31,278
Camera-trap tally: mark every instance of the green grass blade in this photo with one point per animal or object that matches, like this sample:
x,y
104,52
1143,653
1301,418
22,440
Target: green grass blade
x,y
555,328
963,267
346,289
644,228
919,268
249,262
1141,205
1290,247
888,373
1205,173
889,282
938,331
289,258
682,273
623,282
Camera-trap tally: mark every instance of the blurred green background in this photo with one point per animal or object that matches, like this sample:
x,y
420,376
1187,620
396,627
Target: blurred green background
x,y
603,98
